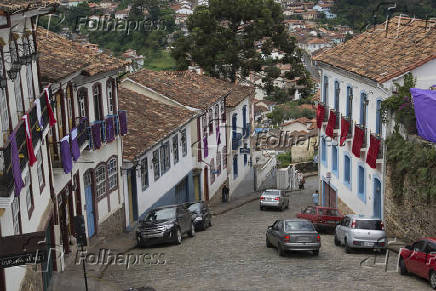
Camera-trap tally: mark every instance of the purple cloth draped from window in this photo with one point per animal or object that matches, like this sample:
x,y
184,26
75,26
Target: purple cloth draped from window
x,y
109,129
67,161
425,108
122,115
16,169
96,135
75,150
206,149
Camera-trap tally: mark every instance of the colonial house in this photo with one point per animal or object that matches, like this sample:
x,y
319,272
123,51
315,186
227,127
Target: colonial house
x,y
300,124
157,156
352,160
206,97
85,181
25,198
240,114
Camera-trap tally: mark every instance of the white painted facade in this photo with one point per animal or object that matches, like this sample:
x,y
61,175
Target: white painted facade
x,y
366,203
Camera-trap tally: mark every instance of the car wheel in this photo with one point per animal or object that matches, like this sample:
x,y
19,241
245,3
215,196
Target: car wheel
x,y
261,207
402,267
315,252
210,222
337,242
178,239
140,242
280,250
347,248
268,244
383,251
191,233
433,279
287,205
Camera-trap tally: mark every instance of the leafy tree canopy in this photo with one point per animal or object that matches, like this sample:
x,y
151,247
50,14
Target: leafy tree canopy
x,y
237,37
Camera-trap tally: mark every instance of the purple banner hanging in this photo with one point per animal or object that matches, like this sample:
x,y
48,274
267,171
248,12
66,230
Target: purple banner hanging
x,y
123,122
75,150
206,149
425,108
96,135
67,161
109,129
16,169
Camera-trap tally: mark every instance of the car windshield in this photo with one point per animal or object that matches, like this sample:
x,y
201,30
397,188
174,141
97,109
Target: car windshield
x,y
195,207
298,226
271,193
161,214
369,224
328,212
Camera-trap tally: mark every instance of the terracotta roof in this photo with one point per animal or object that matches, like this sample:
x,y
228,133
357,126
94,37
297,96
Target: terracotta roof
x,y
374,55
303,120
259,109
149,120
60,57
12,6
239,93
187,88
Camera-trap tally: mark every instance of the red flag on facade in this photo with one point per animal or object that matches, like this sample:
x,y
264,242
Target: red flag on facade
x,y
320,115
30,152
345,127
357,140
331,124
374,148
51,118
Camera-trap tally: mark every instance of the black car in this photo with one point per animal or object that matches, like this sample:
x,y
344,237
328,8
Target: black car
x,y
165,225
200,214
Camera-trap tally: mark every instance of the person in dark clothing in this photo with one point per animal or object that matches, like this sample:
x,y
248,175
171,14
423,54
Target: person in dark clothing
x,y
225,193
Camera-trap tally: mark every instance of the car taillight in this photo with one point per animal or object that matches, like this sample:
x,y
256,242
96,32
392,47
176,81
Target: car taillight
x,y
353,224
318,238
287,238
277,198
382,244
262,198
382,226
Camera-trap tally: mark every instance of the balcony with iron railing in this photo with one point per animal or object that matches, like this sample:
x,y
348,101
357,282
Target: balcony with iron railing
x,y
236,141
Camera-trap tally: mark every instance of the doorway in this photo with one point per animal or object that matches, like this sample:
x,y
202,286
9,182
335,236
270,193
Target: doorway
x,y
90,217
197,193
377,198
206,184
329,195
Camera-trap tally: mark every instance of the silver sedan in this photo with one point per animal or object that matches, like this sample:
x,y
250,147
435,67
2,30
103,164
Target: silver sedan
x,y
293,235
274,198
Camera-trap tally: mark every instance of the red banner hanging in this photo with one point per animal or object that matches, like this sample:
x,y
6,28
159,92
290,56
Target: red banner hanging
x,y
374,148
30,152
357,140
345,127
320,115
51,118
331,125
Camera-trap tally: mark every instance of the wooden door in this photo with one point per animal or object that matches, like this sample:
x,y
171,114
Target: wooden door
x,y
197,193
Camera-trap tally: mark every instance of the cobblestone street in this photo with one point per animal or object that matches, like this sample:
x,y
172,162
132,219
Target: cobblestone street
x,y
232,256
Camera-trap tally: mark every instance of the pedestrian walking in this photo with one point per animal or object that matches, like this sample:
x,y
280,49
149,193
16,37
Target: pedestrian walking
x,y
225,193
315,198
301,181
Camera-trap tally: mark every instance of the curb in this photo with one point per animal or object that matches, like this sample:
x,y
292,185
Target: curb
x,y
235,206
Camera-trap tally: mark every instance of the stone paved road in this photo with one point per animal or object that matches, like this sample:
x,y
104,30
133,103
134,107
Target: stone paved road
x,y
232,256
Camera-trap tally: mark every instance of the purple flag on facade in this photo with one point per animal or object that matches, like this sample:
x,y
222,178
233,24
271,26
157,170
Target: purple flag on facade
x,y
425,108
75,150
16,169
109,129
96,135
206,149
122,115
67,161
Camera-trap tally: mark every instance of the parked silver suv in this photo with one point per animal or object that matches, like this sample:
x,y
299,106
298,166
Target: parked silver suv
x,y
359,231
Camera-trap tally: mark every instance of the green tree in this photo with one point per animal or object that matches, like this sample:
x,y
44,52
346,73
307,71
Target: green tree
x,y
236,37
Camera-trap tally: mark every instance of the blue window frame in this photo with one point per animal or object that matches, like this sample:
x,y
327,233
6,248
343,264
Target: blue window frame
x,y
245,160
349,110
234,121
347,170
361,183
244,119
235,166
324,152
325,95
335,160
337,93
378,119
363,108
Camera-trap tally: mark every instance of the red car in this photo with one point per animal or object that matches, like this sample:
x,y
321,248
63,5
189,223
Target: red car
x,y
321,217
420,259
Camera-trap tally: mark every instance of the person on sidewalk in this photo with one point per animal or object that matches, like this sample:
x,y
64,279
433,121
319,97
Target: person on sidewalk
x,y
301,181
225,193
315,198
